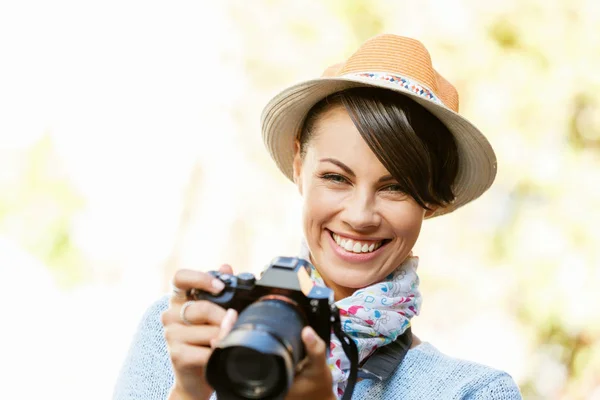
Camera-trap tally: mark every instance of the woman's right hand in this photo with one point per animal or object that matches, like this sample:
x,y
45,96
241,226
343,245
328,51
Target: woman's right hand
x,y
190,344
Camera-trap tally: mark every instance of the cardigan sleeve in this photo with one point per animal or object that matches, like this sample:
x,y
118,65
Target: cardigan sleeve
x,y
147,373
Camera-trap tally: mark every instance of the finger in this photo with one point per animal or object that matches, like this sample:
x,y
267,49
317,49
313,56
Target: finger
x,y
199,312
315,348
186,279
226,269
186,357
199,335
228,322
226,326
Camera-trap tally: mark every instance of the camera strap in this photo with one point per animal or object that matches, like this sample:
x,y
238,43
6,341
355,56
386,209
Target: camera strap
x,y
384,361
350,350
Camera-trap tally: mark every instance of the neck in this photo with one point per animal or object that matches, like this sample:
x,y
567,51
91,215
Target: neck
x,y
339,292
415,341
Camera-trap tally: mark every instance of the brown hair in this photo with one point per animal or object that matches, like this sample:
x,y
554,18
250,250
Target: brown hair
x,y
411,143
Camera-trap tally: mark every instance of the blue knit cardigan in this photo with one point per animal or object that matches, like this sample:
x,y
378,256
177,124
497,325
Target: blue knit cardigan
x,y
425,373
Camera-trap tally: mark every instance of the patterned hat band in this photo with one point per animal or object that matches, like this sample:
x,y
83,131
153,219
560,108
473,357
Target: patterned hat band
x,y
404,82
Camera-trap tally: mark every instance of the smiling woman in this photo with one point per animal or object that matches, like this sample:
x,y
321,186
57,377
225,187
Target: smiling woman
x,y
375,146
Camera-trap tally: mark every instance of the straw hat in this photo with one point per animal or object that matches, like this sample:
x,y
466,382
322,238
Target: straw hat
x,y
396,63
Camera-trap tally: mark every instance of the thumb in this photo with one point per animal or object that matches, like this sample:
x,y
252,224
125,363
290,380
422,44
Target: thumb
x,y
226,326
315,347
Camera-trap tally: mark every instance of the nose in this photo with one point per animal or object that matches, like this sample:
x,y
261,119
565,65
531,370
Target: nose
x,y
360,211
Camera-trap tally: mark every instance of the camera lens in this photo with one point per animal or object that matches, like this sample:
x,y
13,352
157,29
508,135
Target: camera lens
x,y
253,375
258,358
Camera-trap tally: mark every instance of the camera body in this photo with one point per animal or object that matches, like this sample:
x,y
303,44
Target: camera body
x,y
285,278
259,357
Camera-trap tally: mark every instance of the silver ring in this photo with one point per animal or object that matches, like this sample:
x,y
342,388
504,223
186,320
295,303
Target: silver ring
x,y
178,293
182,312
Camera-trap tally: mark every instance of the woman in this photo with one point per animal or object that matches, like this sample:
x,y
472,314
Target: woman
x,y
374,147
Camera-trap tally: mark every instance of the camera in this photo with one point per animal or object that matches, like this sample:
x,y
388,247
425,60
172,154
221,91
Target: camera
x,y
259,357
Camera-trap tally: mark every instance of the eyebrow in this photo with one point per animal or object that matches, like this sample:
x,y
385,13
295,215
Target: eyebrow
x,y
349,171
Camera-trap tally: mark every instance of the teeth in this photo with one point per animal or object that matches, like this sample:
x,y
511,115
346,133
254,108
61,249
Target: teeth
x,y
355,246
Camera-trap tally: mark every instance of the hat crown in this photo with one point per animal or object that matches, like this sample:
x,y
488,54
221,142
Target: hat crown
x,y
402,56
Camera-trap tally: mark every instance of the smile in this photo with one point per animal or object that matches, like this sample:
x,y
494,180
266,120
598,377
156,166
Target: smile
x,y
357,246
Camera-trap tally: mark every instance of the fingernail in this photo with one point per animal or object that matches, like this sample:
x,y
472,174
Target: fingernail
x,y
228,318
309,336
218,285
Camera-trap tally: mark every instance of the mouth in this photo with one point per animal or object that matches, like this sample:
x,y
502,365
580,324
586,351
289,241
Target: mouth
x,y
357,246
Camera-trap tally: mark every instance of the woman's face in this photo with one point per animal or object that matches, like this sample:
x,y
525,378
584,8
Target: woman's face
x,y
358,224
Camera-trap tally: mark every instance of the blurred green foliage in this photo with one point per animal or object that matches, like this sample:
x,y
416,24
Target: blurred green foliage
x,y
37,209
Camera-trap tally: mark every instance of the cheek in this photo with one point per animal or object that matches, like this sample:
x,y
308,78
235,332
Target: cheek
x,y
407,221
320,204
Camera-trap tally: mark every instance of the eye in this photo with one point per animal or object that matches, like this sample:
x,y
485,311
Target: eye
x,y
336,178
396,188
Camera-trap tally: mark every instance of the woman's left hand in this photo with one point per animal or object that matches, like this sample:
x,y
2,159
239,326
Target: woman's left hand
x,y
314,379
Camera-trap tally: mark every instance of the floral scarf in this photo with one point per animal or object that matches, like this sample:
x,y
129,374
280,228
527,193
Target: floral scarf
x,y
373,316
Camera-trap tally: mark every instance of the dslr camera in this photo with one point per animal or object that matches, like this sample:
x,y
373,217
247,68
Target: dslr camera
x,y
260,356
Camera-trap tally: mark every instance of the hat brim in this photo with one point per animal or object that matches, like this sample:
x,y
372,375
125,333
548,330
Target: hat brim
x,y
283,116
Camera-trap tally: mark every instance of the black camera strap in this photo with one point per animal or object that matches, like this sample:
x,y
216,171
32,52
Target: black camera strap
x,y
384,361
350,350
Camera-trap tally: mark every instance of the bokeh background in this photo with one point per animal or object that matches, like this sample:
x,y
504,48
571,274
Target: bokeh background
x,y
130,147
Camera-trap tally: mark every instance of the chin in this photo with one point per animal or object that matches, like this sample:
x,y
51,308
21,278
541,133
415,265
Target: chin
x,y
352,279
